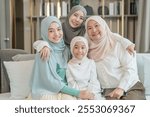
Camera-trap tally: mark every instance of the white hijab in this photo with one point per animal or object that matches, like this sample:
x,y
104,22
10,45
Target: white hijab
x,y
72,44
78,71
99,49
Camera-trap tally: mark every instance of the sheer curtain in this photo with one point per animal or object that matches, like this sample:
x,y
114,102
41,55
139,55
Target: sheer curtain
x,y
143,30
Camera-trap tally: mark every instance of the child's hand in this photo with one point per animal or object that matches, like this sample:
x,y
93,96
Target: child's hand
x,y
86,95
131,49
45,53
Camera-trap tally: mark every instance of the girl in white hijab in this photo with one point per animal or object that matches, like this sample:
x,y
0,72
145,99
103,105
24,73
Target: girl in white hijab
x,y
81,71
116,68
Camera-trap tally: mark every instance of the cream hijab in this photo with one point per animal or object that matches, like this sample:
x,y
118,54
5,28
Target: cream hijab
x,y
100,48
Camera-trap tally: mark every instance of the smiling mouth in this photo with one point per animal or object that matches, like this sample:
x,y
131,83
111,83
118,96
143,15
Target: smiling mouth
x,y
75,24
56,38
95,34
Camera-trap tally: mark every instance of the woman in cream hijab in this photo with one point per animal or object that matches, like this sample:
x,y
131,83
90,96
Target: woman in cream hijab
x,y
116,68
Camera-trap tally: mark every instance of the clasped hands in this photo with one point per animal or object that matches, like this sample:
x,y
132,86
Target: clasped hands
x,y
86,95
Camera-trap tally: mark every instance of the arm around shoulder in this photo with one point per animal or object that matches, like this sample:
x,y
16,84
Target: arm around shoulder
x,y
40,44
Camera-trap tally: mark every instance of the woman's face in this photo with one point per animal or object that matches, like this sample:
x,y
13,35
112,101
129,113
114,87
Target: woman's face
x,y
94,30
76,19
55,33
79,50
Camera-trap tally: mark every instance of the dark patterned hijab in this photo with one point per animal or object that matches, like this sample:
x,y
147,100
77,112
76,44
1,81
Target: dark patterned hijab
x,y
69,32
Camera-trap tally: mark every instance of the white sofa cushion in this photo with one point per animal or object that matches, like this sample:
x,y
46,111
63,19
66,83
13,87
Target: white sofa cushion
x,y
19,73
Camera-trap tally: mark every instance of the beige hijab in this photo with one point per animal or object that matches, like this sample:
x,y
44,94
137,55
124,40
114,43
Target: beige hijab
x,y
99,49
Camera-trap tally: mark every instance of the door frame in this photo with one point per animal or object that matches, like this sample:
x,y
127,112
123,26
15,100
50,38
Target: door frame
x,y
5,24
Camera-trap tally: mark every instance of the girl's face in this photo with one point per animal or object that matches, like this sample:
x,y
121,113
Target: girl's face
x,y
55,32
76,19
94,30
79,50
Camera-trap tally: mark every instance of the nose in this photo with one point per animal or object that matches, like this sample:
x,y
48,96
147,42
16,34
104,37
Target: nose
x,y
56,33
77,18
80,50
94,29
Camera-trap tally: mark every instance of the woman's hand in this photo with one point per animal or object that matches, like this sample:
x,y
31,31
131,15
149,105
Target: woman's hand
x,y
131,49
45,53
116,94
86,95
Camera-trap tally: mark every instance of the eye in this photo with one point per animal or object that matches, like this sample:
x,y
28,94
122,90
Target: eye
x,y
81,18
83,48
96,25
50,30
76,15
75,47
59,29
89,28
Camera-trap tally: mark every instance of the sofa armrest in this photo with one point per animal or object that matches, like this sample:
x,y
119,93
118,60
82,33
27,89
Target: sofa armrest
x,y
143,63
6,55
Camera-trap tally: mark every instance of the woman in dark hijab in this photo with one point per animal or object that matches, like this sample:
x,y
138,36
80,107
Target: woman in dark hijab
x,y
74,23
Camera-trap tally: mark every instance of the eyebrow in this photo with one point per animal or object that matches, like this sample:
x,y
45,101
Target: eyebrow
x,y
78,14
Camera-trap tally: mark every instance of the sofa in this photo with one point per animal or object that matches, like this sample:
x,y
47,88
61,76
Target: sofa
x,y
17,69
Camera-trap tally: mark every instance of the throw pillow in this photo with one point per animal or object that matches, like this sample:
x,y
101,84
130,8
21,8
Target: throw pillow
x,y
19,73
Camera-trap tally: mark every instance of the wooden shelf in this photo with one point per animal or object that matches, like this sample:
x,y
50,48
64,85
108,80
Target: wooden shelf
x,y
136,16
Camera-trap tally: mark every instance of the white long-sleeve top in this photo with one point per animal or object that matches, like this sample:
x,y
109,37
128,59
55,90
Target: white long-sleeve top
x,y
39,44
83,76
117,69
